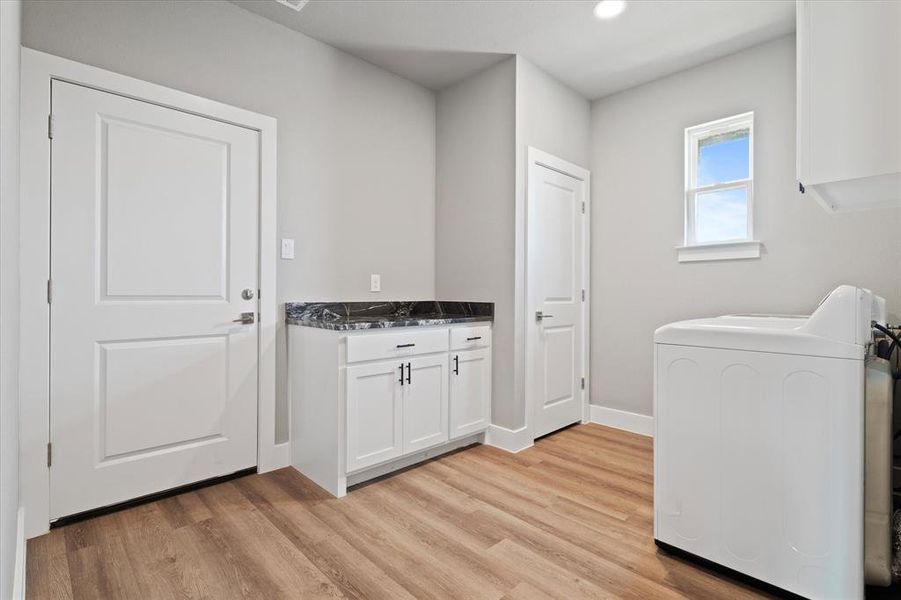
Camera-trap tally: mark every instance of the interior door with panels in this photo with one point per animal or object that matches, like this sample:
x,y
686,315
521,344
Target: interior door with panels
x,y
154,255
555,283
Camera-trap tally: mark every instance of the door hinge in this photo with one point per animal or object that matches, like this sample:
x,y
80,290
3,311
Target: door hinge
x,y
49,291
583,383
583,207
583,295
49,454
50,126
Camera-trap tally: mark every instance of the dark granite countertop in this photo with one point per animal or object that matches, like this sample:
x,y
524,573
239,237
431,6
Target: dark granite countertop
x,y
350,316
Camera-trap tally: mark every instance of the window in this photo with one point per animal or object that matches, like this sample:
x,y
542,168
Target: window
x,y
719,190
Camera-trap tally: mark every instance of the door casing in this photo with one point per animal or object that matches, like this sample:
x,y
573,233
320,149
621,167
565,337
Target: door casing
x,y
38,70
538,159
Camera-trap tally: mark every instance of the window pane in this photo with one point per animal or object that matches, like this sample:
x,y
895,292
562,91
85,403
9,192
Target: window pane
x,y
723,157
721,215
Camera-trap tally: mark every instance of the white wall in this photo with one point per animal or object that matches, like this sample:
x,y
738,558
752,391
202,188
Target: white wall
x,y
637,183
10,30
555,119
356,169
474,225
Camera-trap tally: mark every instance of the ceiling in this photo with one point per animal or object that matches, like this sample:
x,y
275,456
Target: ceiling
x,y
439,42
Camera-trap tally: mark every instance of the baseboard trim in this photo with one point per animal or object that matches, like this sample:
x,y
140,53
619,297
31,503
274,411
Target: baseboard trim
x,y
511,440
21,549
620,419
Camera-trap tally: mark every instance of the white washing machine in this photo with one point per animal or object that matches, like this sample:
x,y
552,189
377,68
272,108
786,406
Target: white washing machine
x,y
759,447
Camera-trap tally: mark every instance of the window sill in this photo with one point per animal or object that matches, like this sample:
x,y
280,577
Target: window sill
x,y
720,251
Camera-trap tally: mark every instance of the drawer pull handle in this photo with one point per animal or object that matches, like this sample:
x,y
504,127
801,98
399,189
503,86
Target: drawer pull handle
x,y
470,339
401,374
405,345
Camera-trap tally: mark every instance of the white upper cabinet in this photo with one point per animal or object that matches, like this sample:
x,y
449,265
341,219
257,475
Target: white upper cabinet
x,y
849,103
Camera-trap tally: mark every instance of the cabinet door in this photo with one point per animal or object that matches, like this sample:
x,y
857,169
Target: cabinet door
x,y
374,414
470,392
425,403
849,103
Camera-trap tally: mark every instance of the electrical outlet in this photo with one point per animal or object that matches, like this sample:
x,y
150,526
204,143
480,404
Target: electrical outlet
x,y
375,283
287,249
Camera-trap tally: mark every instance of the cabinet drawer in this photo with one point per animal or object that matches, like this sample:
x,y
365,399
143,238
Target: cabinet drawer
x,y
463,338
395,344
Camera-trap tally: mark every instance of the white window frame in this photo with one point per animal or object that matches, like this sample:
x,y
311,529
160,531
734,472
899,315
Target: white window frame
x,y
745,247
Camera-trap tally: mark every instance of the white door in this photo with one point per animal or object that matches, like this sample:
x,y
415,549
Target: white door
x,y
470,392
375,415
555,279
425,402
154,221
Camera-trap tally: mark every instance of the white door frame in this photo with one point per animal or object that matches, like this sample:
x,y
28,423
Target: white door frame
x,y
38,70
539,159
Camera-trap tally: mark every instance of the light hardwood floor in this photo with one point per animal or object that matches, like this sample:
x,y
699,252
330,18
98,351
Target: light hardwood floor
x,y
569,518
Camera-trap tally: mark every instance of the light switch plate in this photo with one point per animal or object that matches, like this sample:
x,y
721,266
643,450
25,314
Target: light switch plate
x,y
375,283
287,248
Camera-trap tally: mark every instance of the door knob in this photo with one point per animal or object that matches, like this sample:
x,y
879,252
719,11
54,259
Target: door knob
x,y
540,316
247,318
247,294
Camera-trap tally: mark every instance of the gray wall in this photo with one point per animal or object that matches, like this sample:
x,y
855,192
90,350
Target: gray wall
x,y
637,183
555,119
356,168
474,195
485,125
10,30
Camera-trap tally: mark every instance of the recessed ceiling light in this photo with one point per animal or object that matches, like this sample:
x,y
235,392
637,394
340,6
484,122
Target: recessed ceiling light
x,y
607,9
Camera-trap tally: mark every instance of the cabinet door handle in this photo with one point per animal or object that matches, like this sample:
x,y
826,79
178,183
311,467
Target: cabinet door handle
x,y
457,365
405,345
470,339
401,374
409,372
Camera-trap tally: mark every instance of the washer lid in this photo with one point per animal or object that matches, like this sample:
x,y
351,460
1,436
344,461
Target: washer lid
x,y
839,328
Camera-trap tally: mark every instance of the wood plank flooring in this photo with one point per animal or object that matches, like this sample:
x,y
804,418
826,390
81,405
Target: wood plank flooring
x,y
569,518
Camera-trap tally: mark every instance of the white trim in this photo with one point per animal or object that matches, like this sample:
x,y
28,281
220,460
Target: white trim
x,y
692,136
621,419
21,550
511,440
720,251
38,69
540,158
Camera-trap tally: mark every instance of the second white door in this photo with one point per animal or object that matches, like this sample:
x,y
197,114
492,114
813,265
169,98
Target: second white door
x,y
555,280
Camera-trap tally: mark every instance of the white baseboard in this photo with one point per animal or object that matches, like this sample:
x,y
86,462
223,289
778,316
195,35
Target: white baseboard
x,y
21,546
511,440
620,419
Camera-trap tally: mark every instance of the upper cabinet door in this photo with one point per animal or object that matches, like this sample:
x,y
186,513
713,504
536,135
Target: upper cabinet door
x,y
374,413
849,103
470,392
425,402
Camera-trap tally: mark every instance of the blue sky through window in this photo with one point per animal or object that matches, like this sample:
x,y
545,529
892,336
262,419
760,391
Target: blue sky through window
x,y
723,158
722,215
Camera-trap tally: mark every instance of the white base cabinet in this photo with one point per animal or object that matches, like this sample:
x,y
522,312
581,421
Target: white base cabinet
x,y
470,392
364,403
375,414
